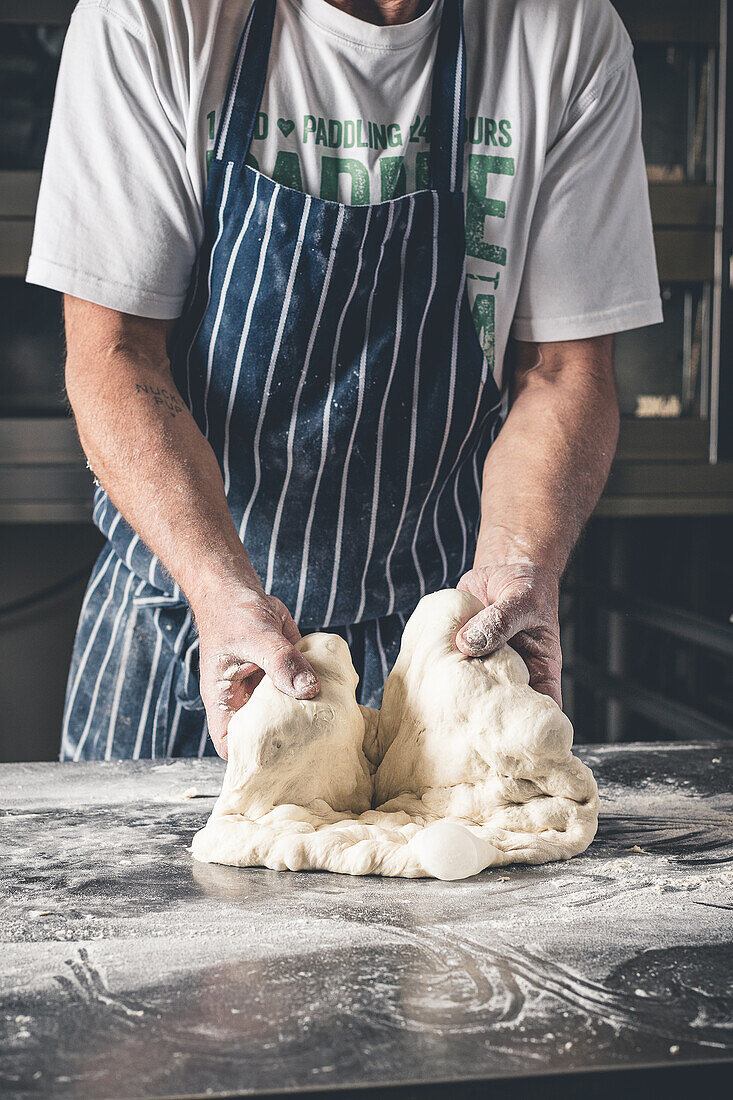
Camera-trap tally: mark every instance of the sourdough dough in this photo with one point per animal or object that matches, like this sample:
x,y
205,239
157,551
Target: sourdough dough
x,y
468,766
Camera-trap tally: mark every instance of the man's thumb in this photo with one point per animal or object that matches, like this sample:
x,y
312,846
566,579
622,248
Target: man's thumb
x,y
287,667
490,629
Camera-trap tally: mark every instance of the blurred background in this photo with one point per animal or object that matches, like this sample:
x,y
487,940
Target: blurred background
x,y
648,598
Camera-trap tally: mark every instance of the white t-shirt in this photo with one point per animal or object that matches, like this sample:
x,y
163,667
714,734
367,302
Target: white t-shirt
x,y
558,228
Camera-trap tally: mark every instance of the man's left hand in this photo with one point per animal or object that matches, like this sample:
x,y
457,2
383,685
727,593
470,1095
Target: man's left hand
x,y
521,610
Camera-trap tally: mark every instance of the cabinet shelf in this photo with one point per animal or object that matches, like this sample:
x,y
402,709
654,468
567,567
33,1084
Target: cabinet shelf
x,y
16,237
19,193
44,478
43,473
668,489
683,205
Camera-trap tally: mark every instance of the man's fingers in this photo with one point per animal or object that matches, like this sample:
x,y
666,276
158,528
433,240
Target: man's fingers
x,y
543,679
227,683
491,628
261,639
232,688
546,686
217,724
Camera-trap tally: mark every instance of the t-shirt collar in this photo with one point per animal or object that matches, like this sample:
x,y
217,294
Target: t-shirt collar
x,y
336,21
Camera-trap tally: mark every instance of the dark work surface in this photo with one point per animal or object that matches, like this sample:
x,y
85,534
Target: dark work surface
x,y
128,970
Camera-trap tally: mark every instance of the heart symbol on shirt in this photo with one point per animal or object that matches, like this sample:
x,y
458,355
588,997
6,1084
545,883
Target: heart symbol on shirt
x,y
286,125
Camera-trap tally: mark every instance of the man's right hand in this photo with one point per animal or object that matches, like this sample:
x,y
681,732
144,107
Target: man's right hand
x,y
243,639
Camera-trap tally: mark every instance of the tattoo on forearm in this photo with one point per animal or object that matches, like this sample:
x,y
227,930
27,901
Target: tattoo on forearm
x,y
170,401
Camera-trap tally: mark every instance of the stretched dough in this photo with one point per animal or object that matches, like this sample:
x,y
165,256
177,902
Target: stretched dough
x,y
468,766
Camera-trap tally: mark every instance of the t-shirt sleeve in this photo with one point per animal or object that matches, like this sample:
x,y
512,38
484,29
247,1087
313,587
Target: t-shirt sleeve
x,y
590,266
118,219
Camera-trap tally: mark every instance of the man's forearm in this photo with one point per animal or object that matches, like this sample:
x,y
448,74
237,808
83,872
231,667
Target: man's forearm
x,y
545,472
147,451
542,479
150,456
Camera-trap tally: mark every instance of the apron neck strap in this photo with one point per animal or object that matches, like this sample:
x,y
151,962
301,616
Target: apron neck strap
x,y
243,97
447,108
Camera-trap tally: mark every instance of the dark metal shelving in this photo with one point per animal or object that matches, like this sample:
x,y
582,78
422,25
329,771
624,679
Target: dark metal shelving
x,y
684,466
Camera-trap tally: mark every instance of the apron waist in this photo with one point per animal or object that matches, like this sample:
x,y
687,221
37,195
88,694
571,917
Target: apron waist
x,y
340,562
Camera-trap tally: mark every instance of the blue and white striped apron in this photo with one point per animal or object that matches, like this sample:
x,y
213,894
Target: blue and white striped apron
x,y
328,354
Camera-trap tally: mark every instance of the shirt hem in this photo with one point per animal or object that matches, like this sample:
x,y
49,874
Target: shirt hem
x,y
102,292
586,325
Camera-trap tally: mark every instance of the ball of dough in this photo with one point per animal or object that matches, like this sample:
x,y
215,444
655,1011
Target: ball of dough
x,y
448,850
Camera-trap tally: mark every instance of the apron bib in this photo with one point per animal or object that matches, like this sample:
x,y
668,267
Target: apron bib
x,y
328,354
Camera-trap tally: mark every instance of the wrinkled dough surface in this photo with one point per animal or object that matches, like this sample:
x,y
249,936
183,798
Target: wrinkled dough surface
x,y
468,766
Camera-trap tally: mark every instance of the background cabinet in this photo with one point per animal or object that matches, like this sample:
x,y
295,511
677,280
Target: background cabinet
x,y
43,478
675,379
646,606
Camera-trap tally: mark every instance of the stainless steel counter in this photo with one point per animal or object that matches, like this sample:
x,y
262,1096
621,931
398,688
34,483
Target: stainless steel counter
x,y
128,970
